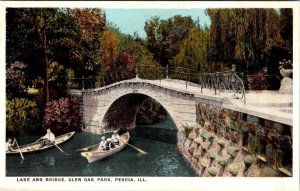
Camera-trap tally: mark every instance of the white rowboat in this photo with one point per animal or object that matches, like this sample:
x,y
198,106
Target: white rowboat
x,y
37,146
92,154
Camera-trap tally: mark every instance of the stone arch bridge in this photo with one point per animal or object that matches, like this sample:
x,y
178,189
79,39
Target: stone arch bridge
x,y
116,106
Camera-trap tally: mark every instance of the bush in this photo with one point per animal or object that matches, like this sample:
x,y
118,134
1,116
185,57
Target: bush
x,y
62,116
254,145
15,80
22,116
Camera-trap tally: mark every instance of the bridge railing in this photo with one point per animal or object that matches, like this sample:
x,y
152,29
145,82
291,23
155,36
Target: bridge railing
x,y
217,81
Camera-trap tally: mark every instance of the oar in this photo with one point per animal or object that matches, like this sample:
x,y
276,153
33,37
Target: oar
x,y
38,139
87,148
140,150
19,150
60,148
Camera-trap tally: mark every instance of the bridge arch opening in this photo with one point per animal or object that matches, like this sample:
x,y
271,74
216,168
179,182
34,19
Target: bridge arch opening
x,y
122,113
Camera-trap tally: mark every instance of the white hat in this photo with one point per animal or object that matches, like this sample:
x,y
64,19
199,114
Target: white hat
x,y
103,137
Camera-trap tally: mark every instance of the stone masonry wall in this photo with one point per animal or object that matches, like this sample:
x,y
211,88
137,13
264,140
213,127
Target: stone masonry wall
x,y
230,143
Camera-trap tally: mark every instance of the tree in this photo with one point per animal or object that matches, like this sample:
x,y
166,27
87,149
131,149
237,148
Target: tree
x,y
57,75
286,27
193,51
92,24
41,34
164,36
70,37
108,50
243,36
148,68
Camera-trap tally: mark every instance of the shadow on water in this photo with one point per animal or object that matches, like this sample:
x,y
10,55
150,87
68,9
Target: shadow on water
x,y
163,159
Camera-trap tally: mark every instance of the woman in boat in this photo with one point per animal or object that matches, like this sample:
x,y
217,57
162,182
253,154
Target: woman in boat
x,y
9,144
49,138
102,144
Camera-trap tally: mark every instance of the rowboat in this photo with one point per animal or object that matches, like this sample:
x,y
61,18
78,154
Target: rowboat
x,y
92,154
37,146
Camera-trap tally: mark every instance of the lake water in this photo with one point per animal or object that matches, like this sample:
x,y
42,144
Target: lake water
x,y
163,159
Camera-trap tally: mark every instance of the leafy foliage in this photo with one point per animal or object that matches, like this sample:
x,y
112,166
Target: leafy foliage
x,y
109,50
62,115
254,145
129,61
57,76
151,112
72,38
22,116
247,37
286,29
193,51
15,79
164,36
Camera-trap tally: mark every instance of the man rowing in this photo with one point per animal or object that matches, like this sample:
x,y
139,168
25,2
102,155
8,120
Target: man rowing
x,y
9,144
49,138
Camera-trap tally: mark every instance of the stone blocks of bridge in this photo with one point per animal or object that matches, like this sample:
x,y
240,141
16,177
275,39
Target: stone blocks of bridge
x,y
116,105
230,143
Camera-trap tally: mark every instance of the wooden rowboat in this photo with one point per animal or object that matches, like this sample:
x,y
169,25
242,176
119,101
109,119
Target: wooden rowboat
x,y
37,146
92,154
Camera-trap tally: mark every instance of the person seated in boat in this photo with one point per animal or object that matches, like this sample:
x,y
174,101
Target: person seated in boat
x,y
9,144
108,144
115,139
49,138
102,144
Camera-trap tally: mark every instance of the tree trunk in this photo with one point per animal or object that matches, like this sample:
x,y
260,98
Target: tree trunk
x,y
46,64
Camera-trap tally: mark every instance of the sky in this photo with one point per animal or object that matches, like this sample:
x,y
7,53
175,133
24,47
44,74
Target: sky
x,y
131,20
